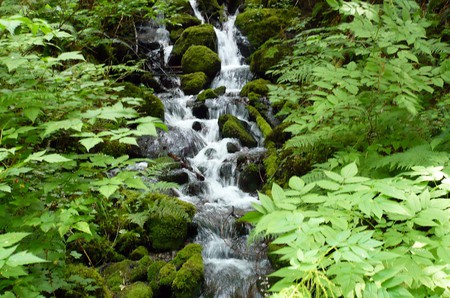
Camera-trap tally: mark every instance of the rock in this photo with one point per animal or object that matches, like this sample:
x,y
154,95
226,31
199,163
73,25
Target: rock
x,y
232,147
186,253
197,126
200,110
138,253
211,153
261,24
193,83
267,56
189,279
77,277
178,23
211,93
196,188
258,86
179,176
180,142
231,127
136,290
201,35
201,59
151,106
250,178
116,274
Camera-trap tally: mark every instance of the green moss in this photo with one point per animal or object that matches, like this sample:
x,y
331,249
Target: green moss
x,y
128,241
258,86
263,125
178,23
211,9
278,136
201,59
168,218
189,279
99,250
187,252
151,104
193,83
118,274
167,275
231,127
266,57
139,272
259,25
202,35
81,278
136,290
153,274
138,253
211,93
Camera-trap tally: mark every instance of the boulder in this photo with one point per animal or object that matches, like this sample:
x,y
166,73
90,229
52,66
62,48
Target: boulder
x,y
261,24
201,35
266,57
201,59
193,83
136,290
231,127
84,281
179,22
211,93
250,178
200,110
258,86
189,279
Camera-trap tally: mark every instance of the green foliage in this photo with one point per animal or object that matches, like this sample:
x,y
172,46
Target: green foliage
x,y
54,109
348,235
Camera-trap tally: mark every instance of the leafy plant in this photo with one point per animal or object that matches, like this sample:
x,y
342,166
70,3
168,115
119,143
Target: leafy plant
x,y
352,236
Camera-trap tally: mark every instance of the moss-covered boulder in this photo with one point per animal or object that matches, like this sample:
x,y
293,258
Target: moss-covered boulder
x,y
153,274
84,282
263,125
139,271
151,104
201,35
250,178
189,279
128,241
186,253
201,59
258,86
211,93
179,22
118,274
138,253
193,83
266,57
261,24
168,219
231,127
136,290
167,275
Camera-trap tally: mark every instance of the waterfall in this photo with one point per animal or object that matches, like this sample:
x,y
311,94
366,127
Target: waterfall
x,y
232,267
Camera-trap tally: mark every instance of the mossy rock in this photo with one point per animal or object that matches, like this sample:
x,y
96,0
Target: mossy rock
x,y
231,127
99,250
211,93
250,178
189,279
178,23
138,253
261,24
167,226
140,270
167,275
127,242
278,136
80,279
186,253
153,274
136,290
266,57
151,105
118,274
258,86
193,83
263,125
201,35
201,59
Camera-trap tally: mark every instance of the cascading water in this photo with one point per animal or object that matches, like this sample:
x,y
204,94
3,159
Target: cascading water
x,y
232,268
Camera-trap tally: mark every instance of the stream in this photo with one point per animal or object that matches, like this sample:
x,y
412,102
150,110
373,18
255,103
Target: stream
x,y
232,267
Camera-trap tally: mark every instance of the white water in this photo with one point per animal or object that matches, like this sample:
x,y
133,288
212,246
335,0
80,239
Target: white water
x,y
232,268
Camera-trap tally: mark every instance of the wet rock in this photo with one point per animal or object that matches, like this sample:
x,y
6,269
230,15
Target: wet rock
x,y
211,153
201,59
251,178
232,147
200,110
197,126
179,176
196,188
193,83
226,170
180,142
231,127
201,35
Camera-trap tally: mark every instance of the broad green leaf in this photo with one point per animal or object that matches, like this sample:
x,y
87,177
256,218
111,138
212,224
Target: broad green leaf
x,y
89,143
23,258
108,190
71,56
349,171
10,239
6,252
83,227
296,183
328,185
10,25
13,271
128,140
334,176
53,158
5,187
32,113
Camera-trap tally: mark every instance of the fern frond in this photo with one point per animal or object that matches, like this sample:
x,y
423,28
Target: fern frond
x,y
416,156
160,186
